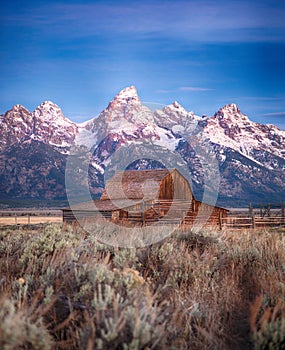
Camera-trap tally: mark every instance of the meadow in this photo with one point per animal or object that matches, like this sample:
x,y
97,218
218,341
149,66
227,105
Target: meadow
x,y
32,216
62,289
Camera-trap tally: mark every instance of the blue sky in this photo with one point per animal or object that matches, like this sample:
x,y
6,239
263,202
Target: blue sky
x,y
204,54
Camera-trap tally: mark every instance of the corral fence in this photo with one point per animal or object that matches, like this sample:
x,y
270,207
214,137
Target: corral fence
x,y
20,217
262,216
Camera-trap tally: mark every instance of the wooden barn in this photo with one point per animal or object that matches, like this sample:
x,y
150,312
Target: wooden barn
x,y
147,196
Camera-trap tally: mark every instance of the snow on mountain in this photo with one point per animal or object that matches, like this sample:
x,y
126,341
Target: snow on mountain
x,y
46,124
229,127
15,126
52,127
124,112
125,118
85,136
251,156
175,118
49,112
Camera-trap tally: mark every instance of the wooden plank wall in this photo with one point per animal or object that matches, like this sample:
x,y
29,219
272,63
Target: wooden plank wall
x,y
69,217
175,186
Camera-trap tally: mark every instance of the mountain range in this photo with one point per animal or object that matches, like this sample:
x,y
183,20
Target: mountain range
x,y
226,155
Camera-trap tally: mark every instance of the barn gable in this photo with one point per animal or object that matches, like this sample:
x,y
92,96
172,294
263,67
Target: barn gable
x,y
147,185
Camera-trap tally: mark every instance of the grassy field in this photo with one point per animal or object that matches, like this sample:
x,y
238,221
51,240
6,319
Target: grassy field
x,y
35,216
61,289
24,220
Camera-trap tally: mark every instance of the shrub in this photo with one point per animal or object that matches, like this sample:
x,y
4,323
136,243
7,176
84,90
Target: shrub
x,y
189,291
18,330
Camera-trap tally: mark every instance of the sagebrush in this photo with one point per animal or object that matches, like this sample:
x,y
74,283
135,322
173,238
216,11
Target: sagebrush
x,y
62,289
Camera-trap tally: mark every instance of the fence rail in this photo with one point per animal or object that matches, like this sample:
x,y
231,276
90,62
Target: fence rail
x,y
253,222
28,219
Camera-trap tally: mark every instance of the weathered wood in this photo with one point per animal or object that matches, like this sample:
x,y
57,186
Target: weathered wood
x,y
153,196
253,221
220,221
250,210
268,210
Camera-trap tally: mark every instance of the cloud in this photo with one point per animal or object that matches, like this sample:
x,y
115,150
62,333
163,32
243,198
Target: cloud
x,y
263,98
202,20
275,114
193,88
275,118
184,89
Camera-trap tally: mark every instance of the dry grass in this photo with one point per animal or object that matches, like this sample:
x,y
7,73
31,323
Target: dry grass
x,y
24,220
61,288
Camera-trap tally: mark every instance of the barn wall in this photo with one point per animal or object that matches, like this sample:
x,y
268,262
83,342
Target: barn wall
x,y
210,213
175,186
166,188
182,187
174,191
69,217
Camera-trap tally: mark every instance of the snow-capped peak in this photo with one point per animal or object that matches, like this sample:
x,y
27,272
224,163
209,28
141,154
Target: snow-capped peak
x,y
232,107
177,105
231,113
19,108
47,104
128,94
51,112
177,109
176,118
125,106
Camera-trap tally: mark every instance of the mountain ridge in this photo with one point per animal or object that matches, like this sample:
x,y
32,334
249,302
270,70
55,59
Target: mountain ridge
x,y
250,156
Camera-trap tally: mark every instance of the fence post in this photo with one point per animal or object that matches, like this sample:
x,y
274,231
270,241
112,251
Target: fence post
x,y
16,221
268,209
250,209
220,221
253,221
143,209
29,219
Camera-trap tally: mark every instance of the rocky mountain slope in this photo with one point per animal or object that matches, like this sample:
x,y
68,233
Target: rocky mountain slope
x,y
227,153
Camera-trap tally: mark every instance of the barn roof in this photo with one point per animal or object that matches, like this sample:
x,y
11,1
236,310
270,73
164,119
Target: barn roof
x,y
99,205
134,184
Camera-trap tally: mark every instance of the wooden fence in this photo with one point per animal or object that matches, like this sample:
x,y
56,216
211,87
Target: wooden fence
x,y
252,222
251,218
267,210
25,218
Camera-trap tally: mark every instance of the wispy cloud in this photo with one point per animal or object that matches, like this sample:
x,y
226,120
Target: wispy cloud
x,y
193,88
194,20
263,98
276,118
184,89
275,114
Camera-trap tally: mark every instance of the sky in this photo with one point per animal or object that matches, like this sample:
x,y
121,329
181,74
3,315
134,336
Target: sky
x,y
202,53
